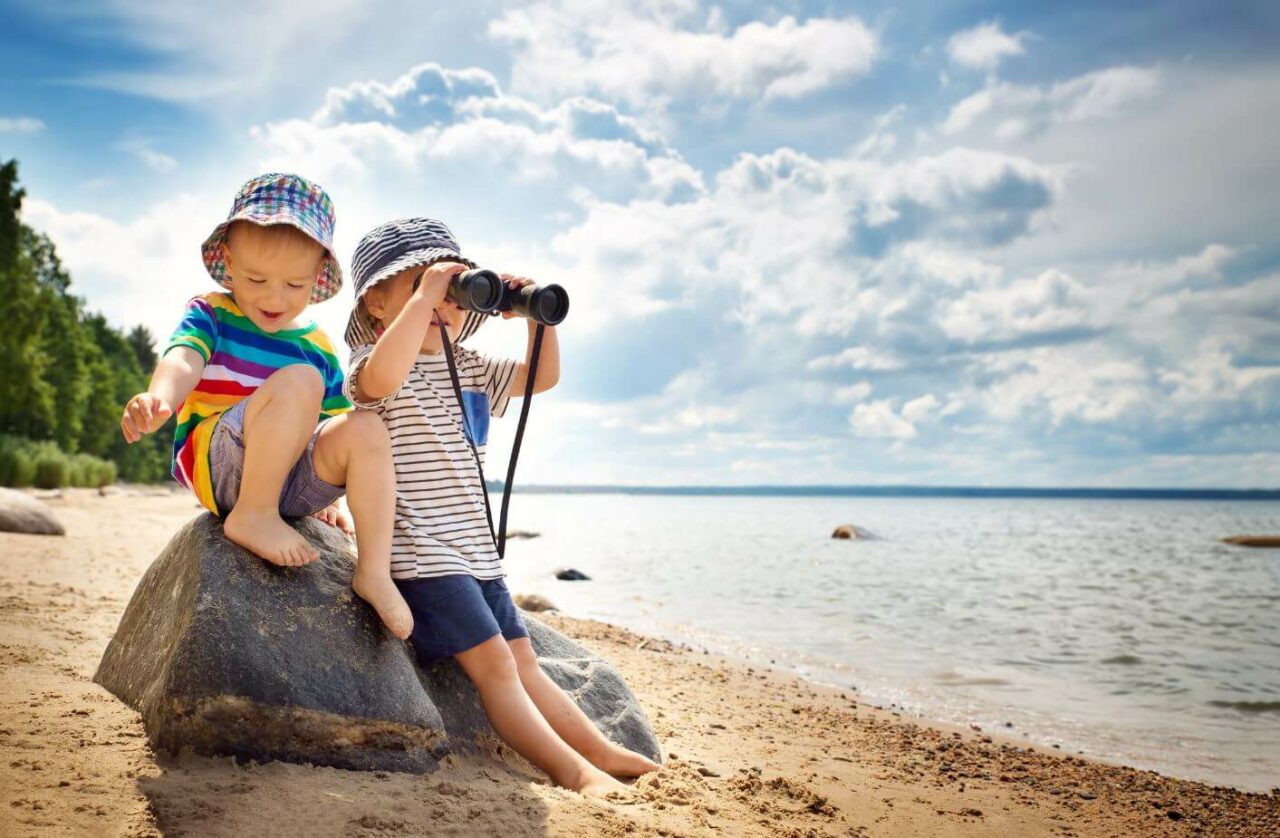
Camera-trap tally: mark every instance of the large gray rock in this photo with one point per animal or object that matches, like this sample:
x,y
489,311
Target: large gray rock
x,y
227,654
19,512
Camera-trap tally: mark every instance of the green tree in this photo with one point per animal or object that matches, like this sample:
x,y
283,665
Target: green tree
x,y
144,347
26,398
65,374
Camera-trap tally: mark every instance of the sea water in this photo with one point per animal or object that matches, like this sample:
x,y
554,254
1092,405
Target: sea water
x,y
1124,629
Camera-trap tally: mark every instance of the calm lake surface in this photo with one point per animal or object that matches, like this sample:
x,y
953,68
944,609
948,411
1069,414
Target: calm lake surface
x,y
1121,628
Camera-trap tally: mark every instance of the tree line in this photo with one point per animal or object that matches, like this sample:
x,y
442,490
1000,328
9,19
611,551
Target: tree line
x,y
65,372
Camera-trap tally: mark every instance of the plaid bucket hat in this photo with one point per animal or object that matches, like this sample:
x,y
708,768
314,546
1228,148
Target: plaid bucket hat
x,y
391,248
277,198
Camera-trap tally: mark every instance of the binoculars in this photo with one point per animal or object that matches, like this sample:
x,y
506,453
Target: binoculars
x,y
482,290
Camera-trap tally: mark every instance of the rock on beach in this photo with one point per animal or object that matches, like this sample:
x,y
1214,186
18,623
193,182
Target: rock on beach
x,y
1253,540
226,654
20,512
852,532
534,603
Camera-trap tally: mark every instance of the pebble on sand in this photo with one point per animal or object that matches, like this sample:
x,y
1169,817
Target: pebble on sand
x,y
1253,540
534,603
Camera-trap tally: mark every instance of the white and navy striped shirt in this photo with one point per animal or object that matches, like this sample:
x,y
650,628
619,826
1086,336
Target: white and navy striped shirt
x,y
440,528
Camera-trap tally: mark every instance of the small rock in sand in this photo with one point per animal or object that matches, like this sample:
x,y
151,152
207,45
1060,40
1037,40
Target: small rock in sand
x,y
852,532
19,512
568,574
534,603
1253,540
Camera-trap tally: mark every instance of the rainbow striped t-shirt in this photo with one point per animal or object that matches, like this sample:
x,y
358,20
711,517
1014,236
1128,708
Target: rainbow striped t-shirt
x,y
238,358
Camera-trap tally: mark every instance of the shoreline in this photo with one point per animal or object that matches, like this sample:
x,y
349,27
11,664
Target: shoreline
x,y
749,750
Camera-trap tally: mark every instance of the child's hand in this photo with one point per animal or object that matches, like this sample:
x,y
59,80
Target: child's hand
x,y
513,282
333,516
434,281
143,414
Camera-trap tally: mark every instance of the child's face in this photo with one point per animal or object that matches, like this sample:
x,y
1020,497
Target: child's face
x,y
271,280
386,299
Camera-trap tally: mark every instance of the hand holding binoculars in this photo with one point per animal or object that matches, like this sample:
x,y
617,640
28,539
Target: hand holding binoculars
x,y
483,290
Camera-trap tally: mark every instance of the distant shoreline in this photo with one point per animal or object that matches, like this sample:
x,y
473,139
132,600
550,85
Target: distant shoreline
x,y
902,492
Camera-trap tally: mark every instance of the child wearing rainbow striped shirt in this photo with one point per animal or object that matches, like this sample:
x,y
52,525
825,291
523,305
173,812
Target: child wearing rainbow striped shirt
x,y
264,430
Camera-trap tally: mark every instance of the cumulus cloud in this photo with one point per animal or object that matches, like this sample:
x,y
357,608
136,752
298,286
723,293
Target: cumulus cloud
x,y
433,123
1047,304
20,125
647,54
1019,111
878,420
984,46
791,234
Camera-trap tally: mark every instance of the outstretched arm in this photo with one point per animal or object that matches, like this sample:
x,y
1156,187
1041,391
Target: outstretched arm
x,y
175,377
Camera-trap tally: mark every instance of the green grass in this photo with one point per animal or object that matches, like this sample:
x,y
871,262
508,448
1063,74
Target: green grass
x,y
24,462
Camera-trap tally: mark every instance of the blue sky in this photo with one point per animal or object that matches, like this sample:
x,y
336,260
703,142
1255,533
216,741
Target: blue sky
x,y
990,243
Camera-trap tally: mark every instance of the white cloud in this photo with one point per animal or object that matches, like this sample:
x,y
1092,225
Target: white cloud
x,y
20,125
852,393
433,124
984,46
857,358
790,234
920,409
1045,304
877,420
1023,110
647,54
148,156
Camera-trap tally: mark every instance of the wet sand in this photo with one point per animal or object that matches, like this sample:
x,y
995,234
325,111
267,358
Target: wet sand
x,y
749,752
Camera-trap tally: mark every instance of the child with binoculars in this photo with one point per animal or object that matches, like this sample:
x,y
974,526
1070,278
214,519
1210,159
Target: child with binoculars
x,y
417,298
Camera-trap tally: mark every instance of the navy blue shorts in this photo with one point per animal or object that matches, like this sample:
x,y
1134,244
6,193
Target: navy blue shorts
x,y
452,614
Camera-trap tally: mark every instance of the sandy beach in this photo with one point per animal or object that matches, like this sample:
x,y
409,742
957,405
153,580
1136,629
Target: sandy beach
x,y
748,752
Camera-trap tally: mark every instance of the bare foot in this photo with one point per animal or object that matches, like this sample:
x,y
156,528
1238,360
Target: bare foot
x,y
596,783
265,534
380,592
621,762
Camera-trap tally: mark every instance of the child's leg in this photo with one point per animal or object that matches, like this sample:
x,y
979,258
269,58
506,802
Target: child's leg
x,y
354,450
491,667
279,419
568,720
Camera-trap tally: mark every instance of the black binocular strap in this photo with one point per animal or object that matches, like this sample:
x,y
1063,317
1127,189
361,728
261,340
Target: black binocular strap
x,y
500,537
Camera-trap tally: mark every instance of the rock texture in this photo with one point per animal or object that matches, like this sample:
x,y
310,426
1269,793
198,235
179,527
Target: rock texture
x,y
1253,540
226,654
850,531
534,602
569,574
19,512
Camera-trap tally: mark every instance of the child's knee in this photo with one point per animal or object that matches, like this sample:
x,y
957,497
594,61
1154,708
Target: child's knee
x,y
490,664
366,432
525,659
297,381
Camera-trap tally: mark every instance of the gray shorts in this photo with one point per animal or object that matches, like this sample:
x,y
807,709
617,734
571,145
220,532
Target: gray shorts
x,y
303,491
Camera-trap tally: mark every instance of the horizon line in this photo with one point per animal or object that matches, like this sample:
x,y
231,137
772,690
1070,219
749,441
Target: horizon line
x,y
902,490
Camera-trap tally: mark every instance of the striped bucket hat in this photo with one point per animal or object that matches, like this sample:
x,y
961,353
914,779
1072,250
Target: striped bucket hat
x,y
281,199
391,248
